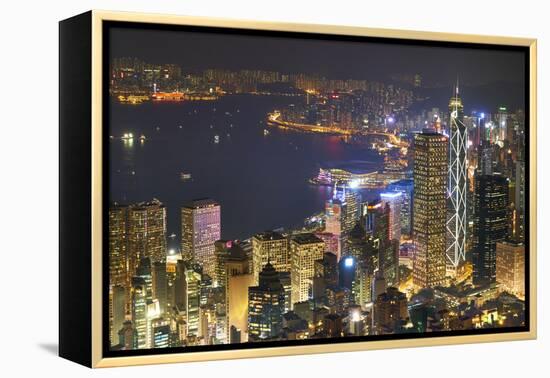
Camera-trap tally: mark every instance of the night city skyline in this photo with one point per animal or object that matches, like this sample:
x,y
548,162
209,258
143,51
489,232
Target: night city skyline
x,y
333,59
267,188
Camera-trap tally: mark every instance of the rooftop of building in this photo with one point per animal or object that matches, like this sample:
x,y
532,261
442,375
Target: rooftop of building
x,y
138,205
403,182
268,235
512,243
306,239
201,203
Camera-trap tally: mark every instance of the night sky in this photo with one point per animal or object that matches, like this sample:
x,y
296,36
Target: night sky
x,y
503,71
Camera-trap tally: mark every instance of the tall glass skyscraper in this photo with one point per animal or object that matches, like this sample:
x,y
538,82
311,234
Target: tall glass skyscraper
x,y
430,196
490,225
458,183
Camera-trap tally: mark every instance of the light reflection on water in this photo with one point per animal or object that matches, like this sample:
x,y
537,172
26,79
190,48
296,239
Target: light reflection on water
x,y
260,180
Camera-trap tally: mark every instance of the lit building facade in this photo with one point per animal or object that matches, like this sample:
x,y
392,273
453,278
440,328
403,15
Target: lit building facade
x,y
305,249
430,215
193,291
490,225
161,333
118,245
395,201
457,222
270,247
147,231
266,305
519,201
139,311
200,228
511,267
405,186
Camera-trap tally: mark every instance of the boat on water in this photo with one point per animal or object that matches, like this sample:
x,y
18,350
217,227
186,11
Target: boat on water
x,y
186,176
127,136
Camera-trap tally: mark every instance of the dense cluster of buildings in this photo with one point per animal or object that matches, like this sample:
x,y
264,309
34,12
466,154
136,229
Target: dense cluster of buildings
x,y
135,81
442,250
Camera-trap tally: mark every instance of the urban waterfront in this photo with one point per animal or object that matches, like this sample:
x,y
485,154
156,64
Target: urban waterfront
x,y
247,163
260,204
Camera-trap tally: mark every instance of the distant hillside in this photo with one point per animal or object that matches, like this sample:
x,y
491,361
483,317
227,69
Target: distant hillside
x,y
484,97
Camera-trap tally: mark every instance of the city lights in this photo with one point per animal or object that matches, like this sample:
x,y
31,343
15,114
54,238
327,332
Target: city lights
x,y
283,204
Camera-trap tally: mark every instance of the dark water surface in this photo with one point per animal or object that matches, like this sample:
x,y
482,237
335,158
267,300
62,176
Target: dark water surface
x,y
259,180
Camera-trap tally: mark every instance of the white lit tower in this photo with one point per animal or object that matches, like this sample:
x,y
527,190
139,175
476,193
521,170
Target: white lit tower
x,y
458,184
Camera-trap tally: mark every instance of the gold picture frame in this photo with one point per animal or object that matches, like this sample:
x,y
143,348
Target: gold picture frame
x,y
93,25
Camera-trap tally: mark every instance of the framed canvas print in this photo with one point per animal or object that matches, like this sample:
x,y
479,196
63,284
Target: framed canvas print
x,y
236,189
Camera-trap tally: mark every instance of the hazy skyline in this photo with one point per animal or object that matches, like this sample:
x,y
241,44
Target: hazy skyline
x,y
331,58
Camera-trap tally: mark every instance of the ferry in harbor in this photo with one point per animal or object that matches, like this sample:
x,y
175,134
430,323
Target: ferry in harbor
x,y
185,177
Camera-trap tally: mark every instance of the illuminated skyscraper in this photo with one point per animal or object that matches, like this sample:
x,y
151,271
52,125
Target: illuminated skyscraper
x,y
519,201
490,225
180,287
352,200
200,228
144,271
348,202
305,249
406,187
341,214
161,333
139,311
511,267
502,119
118,245
239,279
394,200
333,222
378,226
266,305
458,183
193,291
485,158
118,294
273,247
229,256
325,275
146,233
430,195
